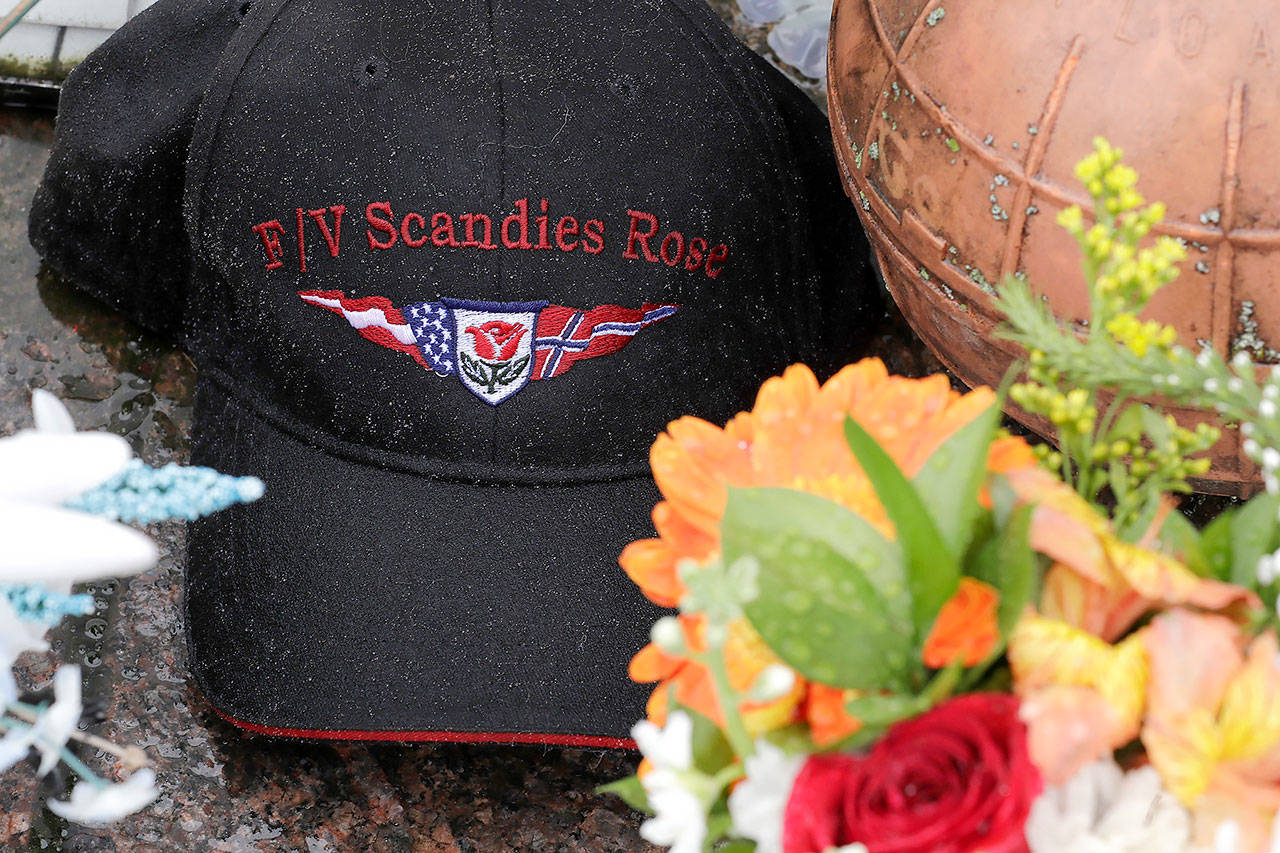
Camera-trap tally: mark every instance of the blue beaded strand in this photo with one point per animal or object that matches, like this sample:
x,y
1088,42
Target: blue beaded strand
x,y
34,603
142,494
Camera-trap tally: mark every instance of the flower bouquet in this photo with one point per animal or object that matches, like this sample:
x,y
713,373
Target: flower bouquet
x,y
902,629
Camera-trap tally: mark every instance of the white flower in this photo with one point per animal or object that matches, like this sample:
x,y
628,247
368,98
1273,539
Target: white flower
x,y
1226,839
1104,810
773,682
53,546
40,469
668,748
680,820
17,635
667,635
52,729
1268,568
758,805
95,805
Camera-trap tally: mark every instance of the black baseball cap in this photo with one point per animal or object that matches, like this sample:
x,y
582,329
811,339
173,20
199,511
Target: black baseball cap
x,y
446,269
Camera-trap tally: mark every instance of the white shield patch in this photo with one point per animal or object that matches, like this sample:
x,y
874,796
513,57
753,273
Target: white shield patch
x,y
494,343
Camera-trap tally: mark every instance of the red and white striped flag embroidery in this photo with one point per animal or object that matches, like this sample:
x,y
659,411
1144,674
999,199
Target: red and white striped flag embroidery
x,y
495,348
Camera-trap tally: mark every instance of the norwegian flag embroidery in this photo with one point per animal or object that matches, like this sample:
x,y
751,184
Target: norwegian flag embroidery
x,y
495,348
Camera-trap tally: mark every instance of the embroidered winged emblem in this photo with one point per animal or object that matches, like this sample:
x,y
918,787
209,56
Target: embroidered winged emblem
x,y
494,348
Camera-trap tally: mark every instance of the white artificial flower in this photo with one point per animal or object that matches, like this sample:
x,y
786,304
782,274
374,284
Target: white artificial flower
x,y
95,805
52,729
40,470
1102,809
50,468
18,635
50,415
680,815
52,546
758,805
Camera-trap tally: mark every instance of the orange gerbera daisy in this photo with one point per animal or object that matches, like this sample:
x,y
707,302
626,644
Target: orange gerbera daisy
x,y
793,438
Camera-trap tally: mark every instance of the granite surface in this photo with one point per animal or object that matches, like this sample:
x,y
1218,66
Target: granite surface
x,y
223,790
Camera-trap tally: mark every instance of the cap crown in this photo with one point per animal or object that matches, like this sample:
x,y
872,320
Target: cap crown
x,y
578,155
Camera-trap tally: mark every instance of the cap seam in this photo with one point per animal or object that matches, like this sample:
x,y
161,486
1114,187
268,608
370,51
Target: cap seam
x,y
478,474
500,94
776,135
209,121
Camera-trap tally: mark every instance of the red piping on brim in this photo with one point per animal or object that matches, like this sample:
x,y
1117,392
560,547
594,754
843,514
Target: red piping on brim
x,y
595,741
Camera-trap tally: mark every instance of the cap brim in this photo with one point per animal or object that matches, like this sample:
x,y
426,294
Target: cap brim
x,y
355,602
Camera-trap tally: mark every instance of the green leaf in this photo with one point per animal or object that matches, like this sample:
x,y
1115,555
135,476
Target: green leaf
x,y
933,569
473,370
513,370
737,845
833,600
948,483
630,791
1015,573
711,749
1215,544
1127,426
1180,539
882,711
719,822
1156,425
1253,534
1010,565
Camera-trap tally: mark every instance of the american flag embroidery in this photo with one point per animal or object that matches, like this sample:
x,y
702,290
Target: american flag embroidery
x,y
495,348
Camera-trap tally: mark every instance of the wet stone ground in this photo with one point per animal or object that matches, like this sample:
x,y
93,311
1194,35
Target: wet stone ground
x,y
223,790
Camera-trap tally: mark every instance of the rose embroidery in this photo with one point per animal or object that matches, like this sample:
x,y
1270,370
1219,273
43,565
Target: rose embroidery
x,y
496,340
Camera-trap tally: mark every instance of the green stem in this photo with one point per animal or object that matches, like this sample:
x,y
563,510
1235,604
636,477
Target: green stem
x,y
735,729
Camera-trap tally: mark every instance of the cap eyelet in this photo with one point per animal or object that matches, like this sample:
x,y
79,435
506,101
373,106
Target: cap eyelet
x,y
370,73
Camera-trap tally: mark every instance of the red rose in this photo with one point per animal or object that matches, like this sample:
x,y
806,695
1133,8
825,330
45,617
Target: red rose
x,y
955,780
496,340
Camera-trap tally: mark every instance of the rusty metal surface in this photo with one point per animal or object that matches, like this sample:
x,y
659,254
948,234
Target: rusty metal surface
x,y
958,126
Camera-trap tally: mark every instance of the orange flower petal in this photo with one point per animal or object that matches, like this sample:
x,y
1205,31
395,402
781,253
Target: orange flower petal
x,y
965,629
1069,727
1193,658
652,664
828,720
681,536
651,565
1010,454
1163,580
